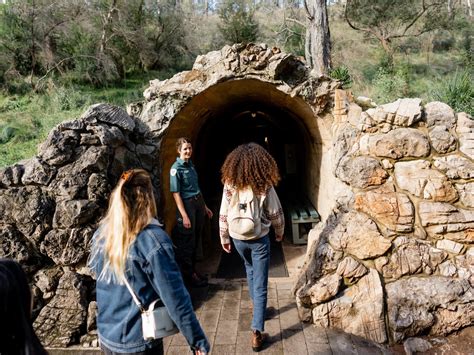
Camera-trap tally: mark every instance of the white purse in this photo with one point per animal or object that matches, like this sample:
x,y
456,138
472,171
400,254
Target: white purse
x,y
156,321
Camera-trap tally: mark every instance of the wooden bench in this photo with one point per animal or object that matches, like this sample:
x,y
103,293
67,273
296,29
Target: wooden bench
x,y
303,217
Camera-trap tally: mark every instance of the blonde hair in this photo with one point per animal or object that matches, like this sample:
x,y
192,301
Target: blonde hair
x,y
131,208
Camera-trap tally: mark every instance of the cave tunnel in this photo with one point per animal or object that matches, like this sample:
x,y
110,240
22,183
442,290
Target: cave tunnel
x,y
239,111
258,122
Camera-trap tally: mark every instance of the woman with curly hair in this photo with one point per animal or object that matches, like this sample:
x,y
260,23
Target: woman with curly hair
x,y
249,207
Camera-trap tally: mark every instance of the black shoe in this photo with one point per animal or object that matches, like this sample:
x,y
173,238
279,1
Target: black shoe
x,y
197,282
201,276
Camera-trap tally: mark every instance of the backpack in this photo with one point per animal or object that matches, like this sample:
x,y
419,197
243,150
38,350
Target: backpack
x,y
245,213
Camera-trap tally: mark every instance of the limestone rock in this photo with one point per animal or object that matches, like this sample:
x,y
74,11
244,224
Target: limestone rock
x,y
67,247
70,187
439,114
59,146
396,144
465,265
409,257
109,114
358,235
445,220
466,193
98,187
74,213
37,172
346,138
321,259
14,245
403,112
393,209
449,246
92,160
416,345
442,140
29,208
455,166
92,316
11,175
47,279
108,135
420,180
361,172
351,269
61,320
323,290
358,310
447,269
465,131
434,305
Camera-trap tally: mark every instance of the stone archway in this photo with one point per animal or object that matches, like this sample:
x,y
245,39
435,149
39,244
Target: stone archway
x,y
256,93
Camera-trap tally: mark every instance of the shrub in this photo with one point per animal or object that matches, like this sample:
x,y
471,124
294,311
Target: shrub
x,y
342,74
457,92
66,99
237,21
388,86
6,133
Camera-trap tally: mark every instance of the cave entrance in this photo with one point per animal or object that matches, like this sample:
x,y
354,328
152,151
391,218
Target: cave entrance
x,y
239,111
274,129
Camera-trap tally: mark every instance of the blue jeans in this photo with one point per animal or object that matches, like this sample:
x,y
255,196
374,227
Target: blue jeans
x,y
256,256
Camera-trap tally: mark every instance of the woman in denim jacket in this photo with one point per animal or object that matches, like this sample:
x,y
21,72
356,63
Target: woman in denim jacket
x,y
131,244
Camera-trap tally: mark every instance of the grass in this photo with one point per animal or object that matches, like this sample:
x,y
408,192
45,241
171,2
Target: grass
x,y
25,121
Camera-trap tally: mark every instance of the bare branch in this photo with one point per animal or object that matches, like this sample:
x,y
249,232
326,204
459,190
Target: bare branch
x,y
298,22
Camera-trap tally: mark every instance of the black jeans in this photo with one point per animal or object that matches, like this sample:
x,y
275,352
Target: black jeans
x,y
187,239
157,350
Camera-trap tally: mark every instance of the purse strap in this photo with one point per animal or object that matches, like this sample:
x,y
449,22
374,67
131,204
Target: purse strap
x,y
134,296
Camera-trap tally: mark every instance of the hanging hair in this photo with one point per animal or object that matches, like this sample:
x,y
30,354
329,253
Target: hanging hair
x,y
250,165
131,208
17,336
180,141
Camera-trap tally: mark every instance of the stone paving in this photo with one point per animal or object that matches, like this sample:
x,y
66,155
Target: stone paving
x,y
224,310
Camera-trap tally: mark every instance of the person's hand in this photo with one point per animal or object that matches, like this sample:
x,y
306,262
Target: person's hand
x,y
200,352
186,222
279,238
209,212
227,247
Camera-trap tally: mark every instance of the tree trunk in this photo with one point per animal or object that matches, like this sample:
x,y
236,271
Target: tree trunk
x,y
319,38
469,7
105,27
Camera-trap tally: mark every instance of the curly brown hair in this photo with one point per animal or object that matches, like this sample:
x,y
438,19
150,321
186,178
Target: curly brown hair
x,y
250,165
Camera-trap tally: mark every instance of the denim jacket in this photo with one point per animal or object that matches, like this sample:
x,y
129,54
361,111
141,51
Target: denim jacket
x,y
152,272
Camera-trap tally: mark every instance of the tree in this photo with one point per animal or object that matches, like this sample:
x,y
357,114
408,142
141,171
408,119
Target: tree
x,y
387,20
318,39
237,22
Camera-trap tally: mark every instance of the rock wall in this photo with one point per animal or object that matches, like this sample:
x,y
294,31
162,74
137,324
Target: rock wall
x,y
392,258
395,258
49,209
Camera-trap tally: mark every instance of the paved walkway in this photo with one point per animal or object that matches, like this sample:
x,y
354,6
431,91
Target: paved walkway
x,y
224,310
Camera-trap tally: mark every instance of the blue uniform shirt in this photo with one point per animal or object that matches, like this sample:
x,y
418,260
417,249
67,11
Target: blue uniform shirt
x,y
184,179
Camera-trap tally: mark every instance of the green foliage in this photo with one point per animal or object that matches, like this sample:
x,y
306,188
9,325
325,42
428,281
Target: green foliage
x,y
457,92
342,74
237,21
389,86
292,37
